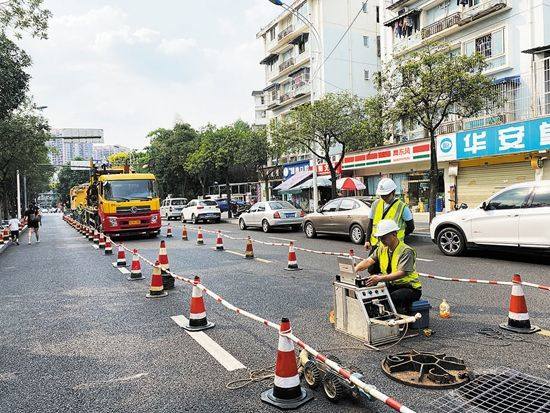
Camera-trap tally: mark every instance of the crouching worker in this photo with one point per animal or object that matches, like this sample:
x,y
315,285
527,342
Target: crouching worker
x,y
397,266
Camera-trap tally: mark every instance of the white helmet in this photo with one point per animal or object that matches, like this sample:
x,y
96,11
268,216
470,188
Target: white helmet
x,y
386,226
385,187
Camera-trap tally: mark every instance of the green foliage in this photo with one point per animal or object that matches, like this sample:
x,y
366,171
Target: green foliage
x,y
118,159
67,179
18,16
14,81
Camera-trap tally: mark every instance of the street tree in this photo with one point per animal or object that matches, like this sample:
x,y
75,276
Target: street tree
x,y
14,81
67,178
118,159
334,124
19,16
199,162
428,86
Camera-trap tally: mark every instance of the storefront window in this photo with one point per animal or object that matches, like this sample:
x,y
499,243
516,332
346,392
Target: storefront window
x,y
419,187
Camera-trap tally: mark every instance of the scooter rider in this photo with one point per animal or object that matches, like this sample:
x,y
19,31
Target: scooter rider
x,y
397,263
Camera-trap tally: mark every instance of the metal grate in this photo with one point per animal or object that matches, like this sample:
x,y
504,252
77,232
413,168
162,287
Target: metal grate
x,y
498,391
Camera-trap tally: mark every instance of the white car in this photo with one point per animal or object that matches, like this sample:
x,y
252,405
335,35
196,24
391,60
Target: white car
x,y
172,207
201,210
517,216
267,215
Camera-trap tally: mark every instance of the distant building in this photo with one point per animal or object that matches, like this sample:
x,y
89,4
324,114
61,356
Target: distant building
x,y
102,152
68,144
260,108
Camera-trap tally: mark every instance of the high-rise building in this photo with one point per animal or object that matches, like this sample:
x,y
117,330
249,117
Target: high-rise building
x,y
68,144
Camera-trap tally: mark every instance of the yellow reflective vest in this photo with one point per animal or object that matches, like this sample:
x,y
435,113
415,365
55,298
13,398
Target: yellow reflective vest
x,y
395,212
382,253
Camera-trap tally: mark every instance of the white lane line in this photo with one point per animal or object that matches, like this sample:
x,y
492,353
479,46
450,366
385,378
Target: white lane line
x,y
264,261
95,246
243,255
221,355
107,382
123,270
235,253
424,259
282,239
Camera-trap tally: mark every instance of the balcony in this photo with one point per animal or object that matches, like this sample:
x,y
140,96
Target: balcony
x,y
481,10
401,44
287,30
440,25
286,64
301,89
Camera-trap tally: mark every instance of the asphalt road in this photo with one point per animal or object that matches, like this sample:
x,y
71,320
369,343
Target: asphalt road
x,y
78,337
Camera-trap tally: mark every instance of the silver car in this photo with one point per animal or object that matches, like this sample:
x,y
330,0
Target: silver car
x,y
267,215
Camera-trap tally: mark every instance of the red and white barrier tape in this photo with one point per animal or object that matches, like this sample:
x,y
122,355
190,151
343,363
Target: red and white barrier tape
x,y
477,281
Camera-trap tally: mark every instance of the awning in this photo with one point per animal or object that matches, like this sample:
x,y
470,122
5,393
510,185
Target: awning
x,y
507,79
301,69
272,86
272,57
300,39
295,179
409,13
322,181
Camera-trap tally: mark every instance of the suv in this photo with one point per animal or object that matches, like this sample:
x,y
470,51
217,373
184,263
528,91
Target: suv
x,y
171,207
201,210
517,216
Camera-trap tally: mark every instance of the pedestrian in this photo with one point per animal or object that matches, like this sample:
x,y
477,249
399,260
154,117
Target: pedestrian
x,y
14,228
33,222
397,263
388,206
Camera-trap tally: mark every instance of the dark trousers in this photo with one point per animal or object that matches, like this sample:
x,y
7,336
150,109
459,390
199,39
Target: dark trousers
x,y
403,297
14,235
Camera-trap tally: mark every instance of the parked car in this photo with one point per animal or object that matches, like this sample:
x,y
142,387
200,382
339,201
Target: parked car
x,y
517,216
172,207
269,214
224,206
342,216
201,210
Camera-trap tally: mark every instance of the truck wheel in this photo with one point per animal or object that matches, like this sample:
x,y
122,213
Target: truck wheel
x,y
334,391
312,375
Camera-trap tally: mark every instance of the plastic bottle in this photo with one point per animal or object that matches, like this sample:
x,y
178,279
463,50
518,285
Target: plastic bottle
x,y
444,309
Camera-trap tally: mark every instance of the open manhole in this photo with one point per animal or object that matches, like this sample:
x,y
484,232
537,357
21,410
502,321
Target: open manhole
x,y
501,390
429,370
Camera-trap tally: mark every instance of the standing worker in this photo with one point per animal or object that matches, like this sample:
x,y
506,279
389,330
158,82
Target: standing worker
x,y
397,262
388,206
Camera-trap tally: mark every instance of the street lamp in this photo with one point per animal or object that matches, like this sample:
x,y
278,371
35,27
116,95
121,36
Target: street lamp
x,y
313,73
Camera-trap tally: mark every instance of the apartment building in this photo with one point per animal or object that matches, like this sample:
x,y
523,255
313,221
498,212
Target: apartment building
x,y
310,56
486,153
69,143
260,108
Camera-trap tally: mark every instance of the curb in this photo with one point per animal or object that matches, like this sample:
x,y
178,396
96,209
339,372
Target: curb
x,y
5,246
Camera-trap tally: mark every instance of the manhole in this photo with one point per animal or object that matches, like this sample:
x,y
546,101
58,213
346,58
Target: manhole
x,y
501,390
429,370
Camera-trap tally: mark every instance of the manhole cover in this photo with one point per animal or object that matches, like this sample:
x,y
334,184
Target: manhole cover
x,y
429,370
501,390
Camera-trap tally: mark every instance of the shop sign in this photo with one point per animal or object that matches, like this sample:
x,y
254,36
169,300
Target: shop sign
x,y
290,169
322,169
518,137
412,152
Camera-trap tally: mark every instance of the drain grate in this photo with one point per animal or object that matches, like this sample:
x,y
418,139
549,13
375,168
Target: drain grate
x,y
501,390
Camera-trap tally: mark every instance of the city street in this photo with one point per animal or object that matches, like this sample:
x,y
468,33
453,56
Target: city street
x,y
78,337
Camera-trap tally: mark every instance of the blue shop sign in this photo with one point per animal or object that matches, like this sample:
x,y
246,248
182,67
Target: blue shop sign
x,y
290,169
532,135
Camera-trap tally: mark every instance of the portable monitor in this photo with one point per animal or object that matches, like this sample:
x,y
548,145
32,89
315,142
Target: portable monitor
x,y
346,266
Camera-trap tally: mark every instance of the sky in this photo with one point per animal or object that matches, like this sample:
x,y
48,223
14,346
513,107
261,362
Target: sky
x,y
132,66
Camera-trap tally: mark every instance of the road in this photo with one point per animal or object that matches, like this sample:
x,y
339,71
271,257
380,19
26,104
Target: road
x,y
77,336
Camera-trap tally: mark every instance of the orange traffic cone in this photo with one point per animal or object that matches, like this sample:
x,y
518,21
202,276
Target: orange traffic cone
x,y
101,242
135,270
184,233
286,392
96,236
518,317
169,231
90,234
121,257
292,262
108,246
167,279
219,242
249,252
197,310
156,290
200,239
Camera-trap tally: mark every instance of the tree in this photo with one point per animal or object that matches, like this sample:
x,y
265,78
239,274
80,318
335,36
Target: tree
x,y
118,159
14,81
199,163
24,15
429,85
68,178
337,122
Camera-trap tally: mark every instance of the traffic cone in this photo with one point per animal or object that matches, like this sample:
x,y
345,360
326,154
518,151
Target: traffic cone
x,y
286,393
518,317
101,242
167,279
169,231
96,236
135,270
108,246
156,290
249,252
2,242
197,310
292,262
90,234
219,242
200,239
184,233
121,257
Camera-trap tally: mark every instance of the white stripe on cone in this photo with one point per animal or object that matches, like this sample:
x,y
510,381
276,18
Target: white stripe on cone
x,y
285,344
518,316
517,290
287,382
197,316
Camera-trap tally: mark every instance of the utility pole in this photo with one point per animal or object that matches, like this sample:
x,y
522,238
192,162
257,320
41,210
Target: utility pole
x,y
25,202
18,195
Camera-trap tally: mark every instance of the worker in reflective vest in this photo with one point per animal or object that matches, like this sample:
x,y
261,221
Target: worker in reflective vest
x,y
397,263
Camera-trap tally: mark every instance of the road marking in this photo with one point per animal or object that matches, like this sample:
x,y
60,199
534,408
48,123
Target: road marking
x,y
123,270
545,333
104,382
235,253
424,259
262,260
95,246
282,239
214,349
244,256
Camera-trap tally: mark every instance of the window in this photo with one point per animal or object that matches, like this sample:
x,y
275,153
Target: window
x,y
512,199
366,41
541,198
261,208
208,203
272,34
366,75
262,100
378,47
254,208
491,46
287,55
125,190
347,205
280,205
331,206
301,47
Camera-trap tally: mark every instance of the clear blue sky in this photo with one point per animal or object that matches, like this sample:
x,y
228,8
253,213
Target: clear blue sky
x,y
131,66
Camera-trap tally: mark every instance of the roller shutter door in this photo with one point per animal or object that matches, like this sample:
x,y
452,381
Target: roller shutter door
x,y
476,183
